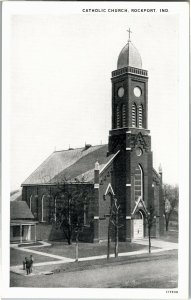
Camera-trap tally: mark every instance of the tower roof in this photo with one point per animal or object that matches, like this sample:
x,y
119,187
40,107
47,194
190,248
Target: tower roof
x,y
129,56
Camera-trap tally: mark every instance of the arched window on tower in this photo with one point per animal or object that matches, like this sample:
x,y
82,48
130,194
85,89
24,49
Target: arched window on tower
x,y
117,117
138,183
140,115
134,115
124,123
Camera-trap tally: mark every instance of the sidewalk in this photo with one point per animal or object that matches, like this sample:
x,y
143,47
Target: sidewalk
x,y
160,244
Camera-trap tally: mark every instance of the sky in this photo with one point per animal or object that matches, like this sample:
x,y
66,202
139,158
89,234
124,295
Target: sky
x,y
59,86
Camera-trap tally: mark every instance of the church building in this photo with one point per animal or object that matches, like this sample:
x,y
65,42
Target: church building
x,y
123,168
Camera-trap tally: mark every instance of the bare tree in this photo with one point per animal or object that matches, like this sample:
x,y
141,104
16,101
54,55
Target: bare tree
x,y
71,201
109,229
150,219
171,197
114,219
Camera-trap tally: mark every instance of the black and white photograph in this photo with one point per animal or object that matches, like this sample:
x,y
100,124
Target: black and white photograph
x,y
95,149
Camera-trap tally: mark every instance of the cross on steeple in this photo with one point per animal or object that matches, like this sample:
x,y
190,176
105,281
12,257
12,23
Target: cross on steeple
x,y
129,30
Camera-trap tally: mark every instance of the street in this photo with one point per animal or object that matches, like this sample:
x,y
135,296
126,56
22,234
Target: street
x,y
161,273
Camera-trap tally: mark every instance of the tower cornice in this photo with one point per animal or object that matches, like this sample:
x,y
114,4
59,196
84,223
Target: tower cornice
x,y
130,70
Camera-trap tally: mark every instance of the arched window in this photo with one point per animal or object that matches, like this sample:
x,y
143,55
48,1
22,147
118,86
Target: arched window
x,y
55,208
124,123
30,203
140,115
33,204
134,115
44,208
138,183
117,117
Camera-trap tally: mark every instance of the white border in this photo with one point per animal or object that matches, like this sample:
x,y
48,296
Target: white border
x,y
182,10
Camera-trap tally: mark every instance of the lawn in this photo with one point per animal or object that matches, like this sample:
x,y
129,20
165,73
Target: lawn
x,y
170,236
17,257
137,271
87,249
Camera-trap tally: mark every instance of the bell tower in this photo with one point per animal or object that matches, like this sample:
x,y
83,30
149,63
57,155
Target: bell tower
x,y
129,136
129,94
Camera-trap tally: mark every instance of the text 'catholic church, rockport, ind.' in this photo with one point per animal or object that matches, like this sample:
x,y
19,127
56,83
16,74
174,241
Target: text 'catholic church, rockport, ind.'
x,y
122,170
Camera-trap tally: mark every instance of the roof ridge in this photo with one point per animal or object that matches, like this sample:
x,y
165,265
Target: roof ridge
x,y
79,148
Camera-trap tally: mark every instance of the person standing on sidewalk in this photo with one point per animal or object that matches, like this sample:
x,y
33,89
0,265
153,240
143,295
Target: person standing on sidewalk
x,y
27,264
31,263
24,263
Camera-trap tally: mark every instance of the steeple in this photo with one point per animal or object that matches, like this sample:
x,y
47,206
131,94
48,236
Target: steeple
x,y
129,55
129,96
129,31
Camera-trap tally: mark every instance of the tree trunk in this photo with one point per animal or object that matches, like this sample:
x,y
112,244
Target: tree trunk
x,y
69,235
69,241
149,239
167,217
167,225
77,246
69,225
108,241
116,235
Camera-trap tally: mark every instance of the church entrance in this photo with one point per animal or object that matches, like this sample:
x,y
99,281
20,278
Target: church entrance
x,y
138,229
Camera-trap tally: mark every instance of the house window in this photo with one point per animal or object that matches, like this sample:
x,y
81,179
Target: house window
x,y
140,116
16,231
124,115
134,115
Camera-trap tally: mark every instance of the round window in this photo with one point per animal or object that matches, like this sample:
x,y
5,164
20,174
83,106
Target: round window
x,y
137,91
120,92
139,151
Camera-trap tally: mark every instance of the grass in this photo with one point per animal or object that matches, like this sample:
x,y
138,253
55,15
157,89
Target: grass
x,y
61,248
136,271
87,249
101,263
17,257
171,236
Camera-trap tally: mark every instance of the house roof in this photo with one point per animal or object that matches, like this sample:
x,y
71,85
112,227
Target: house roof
x,y
23,222
20,210
70,165
16,196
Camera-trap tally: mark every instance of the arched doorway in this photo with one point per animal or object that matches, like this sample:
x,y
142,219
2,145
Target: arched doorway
x,y
138,225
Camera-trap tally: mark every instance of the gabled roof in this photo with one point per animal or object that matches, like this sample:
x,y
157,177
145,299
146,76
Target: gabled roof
x,y
70,165
20,210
